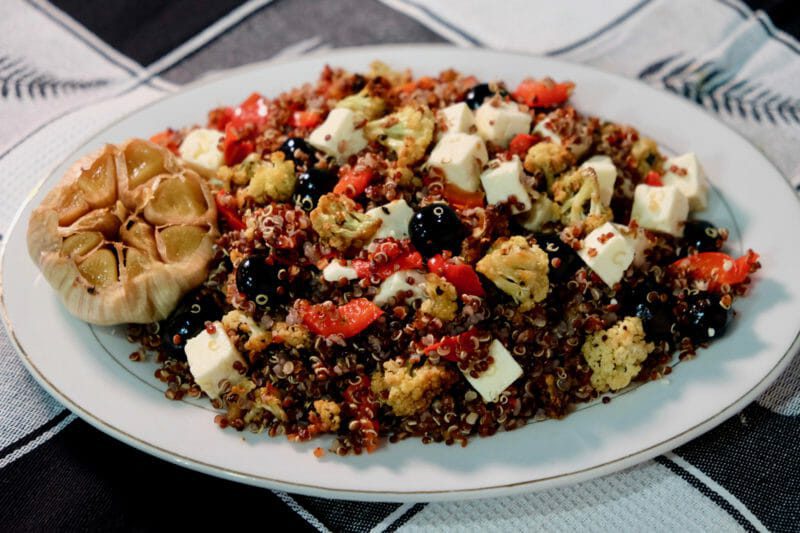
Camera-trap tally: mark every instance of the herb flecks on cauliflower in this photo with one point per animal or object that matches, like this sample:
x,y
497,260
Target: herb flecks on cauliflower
x,y
407,132
615,355
549,160
441,300
272,180
340,224
241,174
646,156
519,269
329,413
410,391
578,195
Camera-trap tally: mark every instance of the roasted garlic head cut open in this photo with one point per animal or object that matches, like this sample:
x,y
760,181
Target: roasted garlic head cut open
x,y
125,234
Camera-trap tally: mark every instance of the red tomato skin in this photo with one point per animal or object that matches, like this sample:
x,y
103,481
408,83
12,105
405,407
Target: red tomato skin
x,y
716,268
346,320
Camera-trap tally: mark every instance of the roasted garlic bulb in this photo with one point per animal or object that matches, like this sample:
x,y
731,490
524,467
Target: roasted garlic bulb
x,y
125,234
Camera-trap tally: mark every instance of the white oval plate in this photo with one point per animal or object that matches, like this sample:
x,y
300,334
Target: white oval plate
x,y
87,368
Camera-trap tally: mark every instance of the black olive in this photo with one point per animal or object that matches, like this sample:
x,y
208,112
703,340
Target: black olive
x,y
188,320
705,319
312,185
297,148
702,236
435,228
563,259
480,92
261,281
654,305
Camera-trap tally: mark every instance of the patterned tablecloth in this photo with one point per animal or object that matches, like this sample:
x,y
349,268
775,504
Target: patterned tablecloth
x,y
67,67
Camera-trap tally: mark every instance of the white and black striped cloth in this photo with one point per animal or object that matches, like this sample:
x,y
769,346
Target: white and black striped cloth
x,y
67,66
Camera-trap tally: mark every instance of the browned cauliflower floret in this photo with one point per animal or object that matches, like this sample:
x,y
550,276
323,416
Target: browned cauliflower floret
x,y
339,223
266,399
517,268
441,298
329,414
272,180
409,391
407,132
615,355
647,156
294,336
543,210
240,174
239,323
578,195
549,160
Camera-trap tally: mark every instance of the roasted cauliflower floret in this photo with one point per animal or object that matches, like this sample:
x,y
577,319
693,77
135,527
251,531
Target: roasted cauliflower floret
x,y
615,355
294,336
646,156
240,174
441,298
329,414
519,269
543,210
236,322
267,399
364,103
409,391
578,195
407,132
272,180
549,160
339,223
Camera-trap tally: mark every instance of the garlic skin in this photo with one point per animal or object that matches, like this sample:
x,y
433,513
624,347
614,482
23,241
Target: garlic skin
x,y
125,234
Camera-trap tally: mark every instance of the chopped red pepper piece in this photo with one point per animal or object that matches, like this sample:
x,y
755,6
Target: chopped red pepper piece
x,y
716,268
226,207
353,182
346,320
305,119
461,199
246,122
461,275
653,179
449,347
521,143
542,93
169,139
394,256
218,118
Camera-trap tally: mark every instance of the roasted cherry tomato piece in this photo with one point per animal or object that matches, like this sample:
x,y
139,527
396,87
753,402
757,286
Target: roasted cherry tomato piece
x,y
542,93
716,268
352,182
521,143
461,275
346,320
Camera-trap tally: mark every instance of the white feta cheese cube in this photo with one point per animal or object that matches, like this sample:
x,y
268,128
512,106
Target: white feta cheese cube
x,y
499,123
606,175
660,208
211,358
545,131
394,218
460,157
337,270
502,181
200,148
457,118
411,282
339,135
686,173
501,373
638,241
607,252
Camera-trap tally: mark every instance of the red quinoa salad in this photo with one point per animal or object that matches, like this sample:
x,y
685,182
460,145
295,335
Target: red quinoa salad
x,y
394,257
